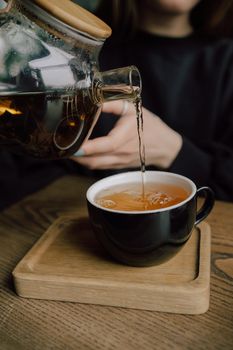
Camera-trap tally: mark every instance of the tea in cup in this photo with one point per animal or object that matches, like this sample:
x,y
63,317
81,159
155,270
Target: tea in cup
x,y
146,223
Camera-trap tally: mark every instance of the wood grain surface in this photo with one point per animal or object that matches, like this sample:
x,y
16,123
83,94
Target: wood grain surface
x,y
40,324
67,263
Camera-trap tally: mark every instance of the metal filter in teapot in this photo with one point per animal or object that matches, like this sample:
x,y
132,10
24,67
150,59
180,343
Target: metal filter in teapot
x,y
51,90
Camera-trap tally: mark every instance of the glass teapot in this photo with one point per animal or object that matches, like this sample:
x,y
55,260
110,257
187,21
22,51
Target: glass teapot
x,y
51,90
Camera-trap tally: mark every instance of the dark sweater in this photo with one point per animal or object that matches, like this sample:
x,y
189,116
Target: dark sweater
x,y
189,84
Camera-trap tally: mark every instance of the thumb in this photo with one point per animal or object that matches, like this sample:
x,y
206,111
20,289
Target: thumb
x,y
120,107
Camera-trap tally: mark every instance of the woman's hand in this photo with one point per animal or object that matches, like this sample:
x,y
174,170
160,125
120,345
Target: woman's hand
x,y
120,148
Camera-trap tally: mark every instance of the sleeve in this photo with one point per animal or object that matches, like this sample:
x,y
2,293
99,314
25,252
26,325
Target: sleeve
x,y
207,165
21,176
210,162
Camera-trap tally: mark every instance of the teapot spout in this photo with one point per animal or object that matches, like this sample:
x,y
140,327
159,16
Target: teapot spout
x,y
121,83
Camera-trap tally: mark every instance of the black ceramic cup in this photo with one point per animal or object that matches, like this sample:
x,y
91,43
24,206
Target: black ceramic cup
x,y
151,237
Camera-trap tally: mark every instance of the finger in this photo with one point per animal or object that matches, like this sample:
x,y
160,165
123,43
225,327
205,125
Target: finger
x,y
101,162
104,144
119,107
126,157
120,134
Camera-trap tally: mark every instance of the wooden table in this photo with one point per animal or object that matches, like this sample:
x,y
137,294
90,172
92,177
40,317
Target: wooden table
x,y
30,324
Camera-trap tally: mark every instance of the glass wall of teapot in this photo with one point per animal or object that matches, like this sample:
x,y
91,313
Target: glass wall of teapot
x,y
51,90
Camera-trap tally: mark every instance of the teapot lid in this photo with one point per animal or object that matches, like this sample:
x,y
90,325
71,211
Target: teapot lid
x,y
76,17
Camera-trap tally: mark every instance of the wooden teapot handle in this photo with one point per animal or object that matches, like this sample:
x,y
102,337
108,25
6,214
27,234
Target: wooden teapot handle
x,y
76,17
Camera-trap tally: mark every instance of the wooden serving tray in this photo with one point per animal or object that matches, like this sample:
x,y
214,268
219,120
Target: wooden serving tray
x,y
67,263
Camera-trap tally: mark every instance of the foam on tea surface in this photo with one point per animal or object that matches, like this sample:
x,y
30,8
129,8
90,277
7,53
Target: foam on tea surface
x,y
129,197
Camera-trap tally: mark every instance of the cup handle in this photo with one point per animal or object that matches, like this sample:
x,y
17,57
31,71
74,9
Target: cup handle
x,y
208,204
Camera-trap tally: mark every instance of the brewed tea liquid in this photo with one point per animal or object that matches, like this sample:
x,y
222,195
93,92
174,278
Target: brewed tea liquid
x,y
129,197
46,124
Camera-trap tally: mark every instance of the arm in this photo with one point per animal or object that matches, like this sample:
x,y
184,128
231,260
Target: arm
x,y
207,164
